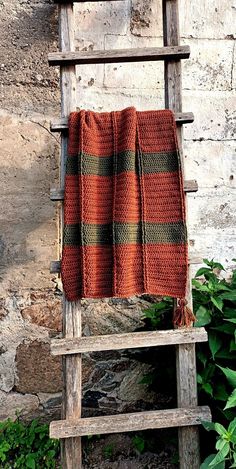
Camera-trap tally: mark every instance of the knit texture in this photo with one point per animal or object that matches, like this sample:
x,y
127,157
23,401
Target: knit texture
x,y
125,230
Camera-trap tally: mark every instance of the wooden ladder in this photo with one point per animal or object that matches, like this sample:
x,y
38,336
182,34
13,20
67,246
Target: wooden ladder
x,y
188,415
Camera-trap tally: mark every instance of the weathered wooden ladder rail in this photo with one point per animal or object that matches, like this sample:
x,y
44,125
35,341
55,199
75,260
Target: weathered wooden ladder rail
x,y
188,415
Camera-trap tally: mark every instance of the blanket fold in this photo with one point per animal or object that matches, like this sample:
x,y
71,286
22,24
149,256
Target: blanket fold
x,y
124,231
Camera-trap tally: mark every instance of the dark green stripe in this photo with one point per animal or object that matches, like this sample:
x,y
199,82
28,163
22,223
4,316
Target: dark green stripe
x,y
72,166
126,233
126,161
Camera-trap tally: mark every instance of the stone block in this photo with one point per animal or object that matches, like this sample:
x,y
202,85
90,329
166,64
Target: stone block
x,y
92,74
104,317
28,33
146,18
213,209
114,99
217,244
94,20
209,66
13,331
212,19
13,404
36,369
234,70
214,115
28,157
142,75
131,389
213,164
46,312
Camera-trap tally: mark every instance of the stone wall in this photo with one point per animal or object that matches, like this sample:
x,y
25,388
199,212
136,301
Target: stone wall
x,y
30,305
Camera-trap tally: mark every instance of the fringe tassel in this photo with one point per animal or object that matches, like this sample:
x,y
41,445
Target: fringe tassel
x,y
183,316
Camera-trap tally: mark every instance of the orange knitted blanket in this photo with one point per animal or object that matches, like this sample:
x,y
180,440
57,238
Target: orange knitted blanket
x,y
124,230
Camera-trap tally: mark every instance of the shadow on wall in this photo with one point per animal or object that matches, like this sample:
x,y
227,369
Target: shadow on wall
x,y
29,167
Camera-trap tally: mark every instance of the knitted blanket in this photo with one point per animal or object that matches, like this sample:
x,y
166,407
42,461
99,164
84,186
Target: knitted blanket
x,y
124,216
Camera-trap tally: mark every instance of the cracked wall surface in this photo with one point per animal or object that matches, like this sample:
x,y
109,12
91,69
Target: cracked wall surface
x,y
30,297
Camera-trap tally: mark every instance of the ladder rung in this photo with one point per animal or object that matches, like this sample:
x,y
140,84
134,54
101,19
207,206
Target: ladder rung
x,y
128,340
130,422
57,195
180,118
122,55
55,266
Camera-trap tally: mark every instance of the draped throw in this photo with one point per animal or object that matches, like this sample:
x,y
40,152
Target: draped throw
x,y
124,210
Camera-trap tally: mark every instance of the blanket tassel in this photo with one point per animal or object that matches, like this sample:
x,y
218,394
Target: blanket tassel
x,y
183,315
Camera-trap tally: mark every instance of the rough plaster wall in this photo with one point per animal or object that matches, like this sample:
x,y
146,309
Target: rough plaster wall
x,y
30,308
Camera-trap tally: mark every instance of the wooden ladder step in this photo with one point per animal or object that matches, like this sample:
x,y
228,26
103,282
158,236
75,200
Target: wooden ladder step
x,y
128,340
61,125
122,55
55,266
135,421
57,195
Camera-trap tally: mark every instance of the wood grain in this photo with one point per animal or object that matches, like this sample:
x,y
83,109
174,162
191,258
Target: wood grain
x,y
61,125
128,341
129,422
189,449
119,55
71,401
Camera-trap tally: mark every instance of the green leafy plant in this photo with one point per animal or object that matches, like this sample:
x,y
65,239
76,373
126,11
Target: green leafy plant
x,y
108,451
214,301
158,315
225,446
27,446
139,443
214,305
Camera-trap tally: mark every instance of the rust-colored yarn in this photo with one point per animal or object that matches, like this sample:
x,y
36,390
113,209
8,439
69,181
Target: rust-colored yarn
x,y
183,315
125,230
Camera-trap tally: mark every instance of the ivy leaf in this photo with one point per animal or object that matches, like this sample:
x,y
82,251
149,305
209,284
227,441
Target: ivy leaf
x,y
220,392
233,320
208,460
215,343
208,388
220,429
202,271
220,444
202,357
213,265
217,302
208,425
232,426
30,461
229,312
226,328
232,345
200,286
231,296
199,379
230,375
221,455
203,317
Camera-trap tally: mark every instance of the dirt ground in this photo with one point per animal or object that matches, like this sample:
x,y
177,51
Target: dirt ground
x,y
118,452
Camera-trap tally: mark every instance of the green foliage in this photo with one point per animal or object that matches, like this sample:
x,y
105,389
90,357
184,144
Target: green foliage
x,y
225,446
158,315
108,451
214,301
26,446
139,443
214,305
